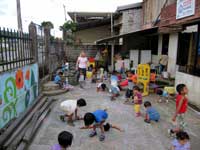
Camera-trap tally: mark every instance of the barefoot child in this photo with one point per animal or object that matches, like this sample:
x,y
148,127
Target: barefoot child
x,y
106,127
181,109
98,118
137,100
70,107
151,113
131,84
101,87
65,140
181,142
114,86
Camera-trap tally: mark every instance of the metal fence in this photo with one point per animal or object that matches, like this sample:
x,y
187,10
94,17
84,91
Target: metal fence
x,y
15,49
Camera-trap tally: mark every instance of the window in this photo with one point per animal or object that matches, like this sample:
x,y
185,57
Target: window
x,y
165,44
188,55
154,45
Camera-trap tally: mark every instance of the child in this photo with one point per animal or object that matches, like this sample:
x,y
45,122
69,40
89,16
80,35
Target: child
x,y
101,87
81,79
114,86
181,142
106,127
129,92
181,109
70,107
151,113
57,79
137,100
99,117
64,139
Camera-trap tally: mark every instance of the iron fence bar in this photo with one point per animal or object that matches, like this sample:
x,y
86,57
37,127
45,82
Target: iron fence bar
x,y
25,49
16,50
22,46
5,45
19,52
28,47
2,59
9,50
13,51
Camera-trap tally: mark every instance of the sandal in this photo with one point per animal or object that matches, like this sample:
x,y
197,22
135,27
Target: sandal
x,y
92,134
102,137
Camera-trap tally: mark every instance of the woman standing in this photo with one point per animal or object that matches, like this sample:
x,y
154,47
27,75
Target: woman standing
x,y
81,64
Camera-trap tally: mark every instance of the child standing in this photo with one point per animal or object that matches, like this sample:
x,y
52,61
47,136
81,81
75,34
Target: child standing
x,y
81,79
114,86
70,107
181,109
151,113
99,117
181,142
129,92
64,139
137,100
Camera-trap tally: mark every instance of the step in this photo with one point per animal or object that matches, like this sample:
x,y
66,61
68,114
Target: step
x,y
50,86
55,92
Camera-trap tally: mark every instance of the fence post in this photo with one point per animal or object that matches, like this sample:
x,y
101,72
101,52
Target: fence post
x,y
47,45
33,36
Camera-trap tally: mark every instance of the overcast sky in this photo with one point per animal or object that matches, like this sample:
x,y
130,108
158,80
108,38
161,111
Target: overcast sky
x,y
52,10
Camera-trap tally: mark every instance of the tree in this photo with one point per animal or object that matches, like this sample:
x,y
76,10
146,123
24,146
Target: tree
x,y
68,28
47,24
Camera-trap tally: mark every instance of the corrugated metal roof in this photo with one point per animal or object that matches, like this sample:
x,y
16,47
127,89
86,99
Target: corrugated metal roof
x,y
130,6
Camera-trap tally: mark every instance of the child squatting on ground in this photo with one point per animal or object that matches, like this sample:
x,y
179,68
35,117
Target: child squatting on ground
x,y
64,139
70,108
151,113
137,100
98,118
181,109
181,142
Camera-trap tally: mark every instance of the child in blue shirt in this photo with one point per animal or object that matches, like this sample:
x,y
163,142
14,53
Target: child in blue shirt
x,y
151,113
98,118
58,80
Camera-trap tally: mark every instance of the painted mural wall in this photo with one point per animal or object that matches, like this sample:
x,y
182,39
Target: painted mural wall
x,y
18,89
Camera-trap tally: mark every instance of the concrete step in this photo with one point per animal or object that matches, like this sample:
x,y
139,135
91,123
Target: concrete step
x,y
55,92
50,86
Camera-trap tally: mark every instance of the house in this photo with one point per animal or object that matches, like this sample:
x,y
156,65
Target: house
x,y
180,23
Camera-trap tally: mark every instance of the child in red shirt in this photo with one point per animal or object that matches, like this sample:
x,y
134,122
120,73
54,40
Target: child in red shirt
x,y
181,109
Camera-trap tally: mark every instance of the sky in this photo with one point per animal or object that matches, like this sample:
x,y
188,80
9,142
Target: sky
x,y
52,10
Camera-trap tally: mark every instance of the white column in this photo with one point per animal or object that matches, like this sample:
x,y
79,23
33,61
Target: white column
x,y
160,39
172,53
112,57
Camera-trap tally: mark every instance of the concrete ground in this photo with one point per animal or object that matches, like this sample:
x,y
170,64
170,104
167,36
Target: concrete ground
x,y
137,136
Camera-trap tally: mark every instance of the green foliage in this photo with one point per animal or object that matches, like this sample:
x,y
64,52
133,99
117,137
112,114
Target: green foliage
x,y
47,24
68,26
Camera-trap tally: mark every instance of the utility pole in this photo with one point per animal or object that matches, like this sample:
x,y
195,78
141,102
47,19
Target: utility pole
x,y
65,12
19,17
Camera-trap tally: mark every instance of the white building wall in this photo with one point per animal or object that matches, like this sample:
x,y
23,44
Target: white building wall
x,y
172,54
193,84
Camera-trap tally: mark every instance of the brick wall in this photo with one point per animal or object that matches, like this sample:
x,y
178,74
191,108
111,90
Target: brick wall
x,y
168,15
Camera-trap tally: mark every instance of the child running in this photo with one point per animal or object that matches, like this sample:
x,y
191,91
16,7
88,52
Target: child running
x,y
70,107
99,117
181,142
181,109
64,139
137,100
151,113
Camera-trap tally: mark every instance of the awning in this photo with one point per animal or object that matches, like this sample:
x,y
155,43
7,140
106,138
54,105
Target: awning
x,y
139,33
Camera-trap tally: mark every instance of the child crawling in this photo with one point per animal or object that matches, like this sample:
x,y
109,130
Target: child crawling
x,y
106,127
98,117
70,108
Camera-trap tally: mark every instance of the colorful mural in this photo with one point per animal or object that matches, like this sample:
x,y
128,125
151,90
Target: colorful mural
x,y
18,89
